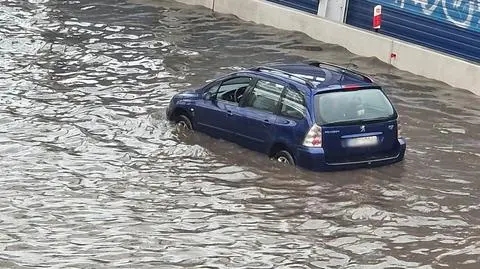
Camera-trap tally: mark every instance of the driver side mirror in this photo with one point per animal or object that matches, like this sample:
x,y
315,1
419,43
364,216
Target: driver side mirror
x,y
209,96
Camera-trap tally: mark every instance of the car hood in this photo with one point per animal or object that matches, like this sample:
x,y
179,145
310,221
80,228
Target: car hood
x,y
187,95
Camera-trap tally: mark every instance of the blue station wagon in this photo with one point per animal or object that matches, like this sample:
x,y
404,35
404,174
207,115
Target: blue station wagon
x,y
315,115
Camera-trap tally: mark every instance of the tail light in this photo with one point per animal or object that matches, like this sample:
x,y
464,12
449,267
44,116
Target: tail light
x,y
313,138
399,129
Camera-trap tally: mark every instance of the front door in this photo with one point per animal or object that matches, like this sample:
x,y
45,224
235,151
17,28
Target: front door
x,y
214,113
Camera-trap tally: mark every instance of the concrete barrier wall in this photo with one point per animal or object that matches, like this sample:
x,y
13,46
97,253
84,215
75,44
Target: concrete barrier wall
x,y
431,64
413,58
327,31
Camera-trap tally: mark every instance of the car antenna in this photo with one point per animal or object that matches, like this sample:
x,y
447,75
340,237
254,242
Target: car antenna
x,y
343,72
350,63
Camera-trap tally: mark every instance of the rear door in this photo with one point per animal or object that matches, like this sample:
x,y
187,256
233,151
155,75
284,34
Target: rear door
x,y
214,112
357,125
255,117
291,123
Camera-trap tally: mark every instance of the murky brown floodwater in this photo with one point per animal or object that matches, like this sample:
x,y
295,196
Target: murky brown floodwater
x,y
93,176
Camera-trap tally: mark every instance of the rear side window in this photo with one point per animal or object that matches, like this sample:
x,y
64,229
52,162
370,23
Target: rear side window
x,y
352,107
293,104
265,96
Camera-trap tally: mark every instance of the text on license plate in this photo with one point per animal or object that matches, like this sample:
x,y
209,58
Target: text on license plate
x,y
362,141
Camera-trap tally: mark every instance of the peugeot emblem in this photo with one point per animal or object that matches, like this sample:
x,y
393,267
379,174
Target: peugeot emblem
x,y
362,129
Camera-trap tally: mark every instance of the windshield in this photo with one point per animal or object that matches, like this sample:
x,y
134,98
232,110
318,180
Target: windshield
x,y
352,107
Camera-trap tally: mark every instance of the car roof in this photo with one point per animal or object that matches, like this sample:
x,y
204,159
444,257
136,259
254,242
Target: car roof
x,y
318,76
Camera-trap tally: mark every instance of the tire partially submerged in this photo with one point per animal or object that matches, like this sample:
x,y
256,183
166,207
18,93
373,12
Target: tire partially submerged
x,y
284,157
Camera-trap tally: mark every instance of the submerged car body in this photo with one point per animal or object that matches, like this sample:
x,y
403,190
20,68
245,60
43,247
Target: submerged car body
x,y
317,115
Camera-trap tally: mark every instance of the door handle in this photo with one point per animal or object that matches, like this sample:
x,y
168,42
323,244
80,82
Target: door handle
x,y
266,122
229,113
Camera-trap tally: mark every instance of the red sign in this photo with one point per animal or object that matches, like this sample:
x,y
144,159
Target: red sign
x,y
377,17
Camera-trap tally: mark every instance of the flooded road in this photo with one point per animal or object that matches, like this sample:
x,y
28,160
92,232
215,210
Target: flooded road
x,y
93,176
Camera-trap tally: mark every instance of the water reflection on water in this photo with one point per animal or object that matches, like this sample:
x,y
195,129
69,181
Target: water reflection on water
x,y
93,176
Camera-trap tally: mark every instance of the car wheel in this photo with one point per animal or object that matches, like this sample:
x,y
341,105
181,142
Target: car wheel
x,y
284,157
184,123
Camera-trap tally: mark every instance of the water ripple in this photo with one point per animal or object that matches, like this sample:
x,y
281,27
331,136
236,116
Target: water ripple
x,y
93,176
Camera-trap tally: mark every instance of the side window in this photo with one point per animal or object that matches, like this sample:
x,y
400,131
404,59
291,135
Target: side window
x,y
265,96
232,90
293,105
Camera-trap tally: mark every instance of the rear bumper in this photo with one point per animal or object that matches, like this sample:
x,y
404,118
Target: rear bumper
x,y
314,159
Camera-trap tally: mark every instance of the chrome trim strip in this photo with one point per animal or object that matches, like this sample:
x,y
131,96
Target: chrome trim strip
x,y
367,161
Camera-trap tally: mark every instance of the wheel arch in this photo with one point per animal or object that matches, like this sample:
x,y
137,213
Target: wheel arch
x,y
279,146
180,111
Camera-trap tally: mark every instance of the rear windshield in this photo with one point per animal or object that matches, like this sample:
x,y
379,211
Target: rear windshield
x,y
344,107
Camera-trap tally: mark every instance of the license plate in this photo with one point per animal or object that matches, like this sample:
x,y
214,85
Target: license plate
x,y
363,141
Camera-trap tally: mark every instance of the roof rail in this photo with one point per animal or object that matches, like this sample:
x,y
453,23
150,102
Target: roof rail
x,y
287,74
342,69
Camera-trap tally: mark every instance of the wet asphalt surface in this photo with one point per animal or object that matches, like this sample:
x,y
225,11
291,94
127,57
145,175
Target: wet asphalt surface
x,y
93,176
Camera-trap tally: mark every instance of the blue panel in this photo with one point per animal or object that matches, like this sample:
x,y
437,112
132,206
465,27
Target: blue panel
x,y
461,13
310,6
443,31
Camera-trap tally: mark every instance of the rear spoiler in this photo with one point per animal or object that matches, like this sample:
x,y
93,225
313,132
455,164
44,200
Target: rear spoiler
x,y
348,87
